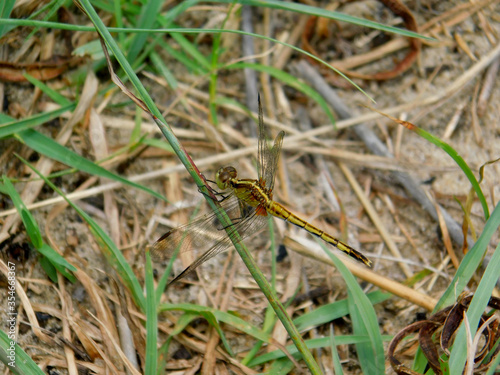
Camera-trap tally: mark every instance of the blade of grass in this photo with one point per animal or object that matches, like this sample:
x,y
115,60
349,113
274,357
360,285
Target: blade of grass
x,y
221,316
320,12
476,308
269,316
5,11
494,366
212,88
327,313
337,366
50,148
182,58
151,320
147,18
51,93
13,126
22,362
191,50
163,70
365,322
211,319
470,262
322,342
281,366
50,9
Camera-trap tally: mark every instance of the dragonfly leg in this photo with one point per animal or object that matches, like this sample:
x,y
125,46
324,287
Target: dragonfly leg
x,y
213,192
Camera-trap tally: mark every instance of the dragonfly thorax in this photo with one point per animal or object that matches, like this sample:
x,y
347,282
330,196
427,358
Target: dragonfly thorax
x,y
224,176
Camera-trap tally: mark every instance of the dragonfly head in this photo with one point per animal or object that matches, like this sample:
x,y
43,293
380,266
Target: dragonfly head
x,y
224,176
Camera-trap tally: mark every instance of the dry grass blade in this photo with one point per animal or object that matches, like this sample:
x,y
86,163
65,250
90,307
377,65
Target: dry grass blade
x,y
107,322
118,82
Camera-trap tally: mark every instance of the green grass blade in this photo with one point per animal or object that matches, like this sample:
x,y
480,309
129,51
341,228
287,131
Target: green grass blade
x,y
147,18
327,313
477,306
192,51
365,322
50,9
50,148
337,366
51,93
61,269
182,58
49,269
450,151
315,11
163,70
220,316
55,258
465,272
366,354
470,262
6,7
22,362
29,222
212,320
151,320
322,342
494,366
282,366
13,126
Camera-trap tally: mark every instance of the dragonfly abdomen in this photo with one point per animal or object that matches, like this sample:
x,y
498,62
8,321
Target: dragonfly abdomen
x,y
278,210
281,212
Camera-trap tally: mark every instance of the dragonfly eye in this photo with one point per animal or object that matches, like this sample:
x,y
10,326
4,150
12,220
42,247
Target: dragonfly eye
x,y
223,176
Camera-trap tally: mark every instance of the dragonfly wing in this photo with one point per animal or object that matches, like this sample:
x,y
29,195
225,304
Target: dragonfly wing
x,y
247,226
203,231
218,248
272,161
268,158
263,148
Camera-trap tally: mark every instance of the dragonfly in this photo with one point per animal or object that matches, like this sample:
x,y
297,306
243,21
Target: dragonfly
x,y
248,204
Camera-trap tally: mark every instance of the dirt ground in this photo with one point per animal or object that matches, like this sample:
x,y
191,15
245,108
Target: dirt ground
x,y
443,92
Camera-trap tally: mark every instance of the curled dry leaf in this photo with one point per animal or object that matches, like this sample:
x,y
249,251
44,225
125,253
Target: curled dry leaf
x,y
399,10
42,70
435,334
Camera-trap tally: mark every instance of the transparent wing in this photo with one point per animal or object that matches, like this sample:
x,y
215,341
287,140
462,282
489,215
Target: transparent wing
x,y
268,158
272,161
263,148
207,232
248,226
203,231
